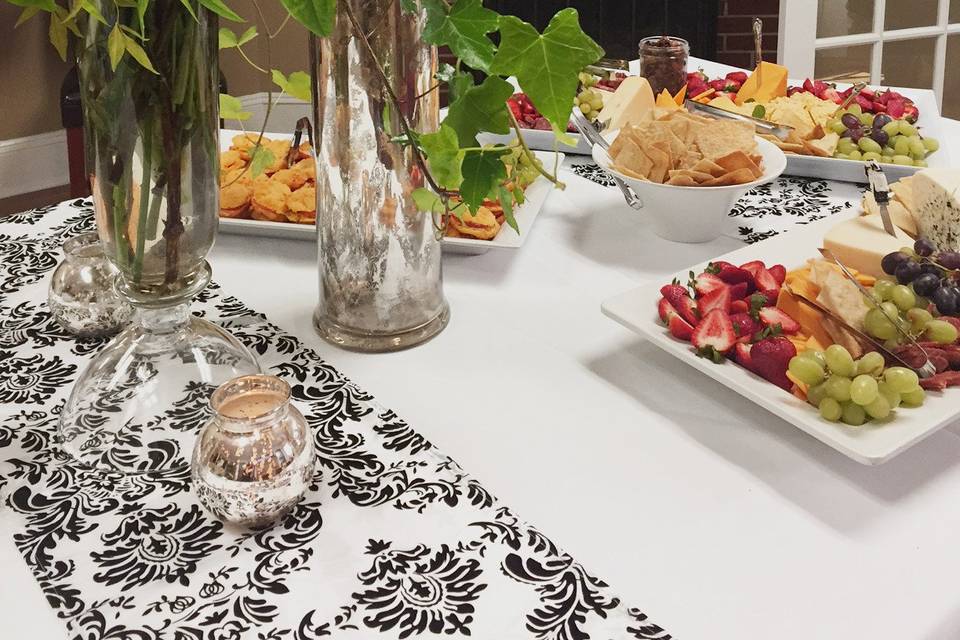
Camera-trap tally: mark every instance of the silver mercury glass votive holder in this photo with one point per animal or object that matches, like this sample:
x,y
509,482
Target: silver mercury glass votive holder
x,y
82,297
254,459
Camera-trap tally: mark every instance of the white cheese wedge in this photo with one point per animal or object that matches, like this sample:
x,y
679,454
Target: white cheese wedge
x,y
899,214
861,243
937,208
631,103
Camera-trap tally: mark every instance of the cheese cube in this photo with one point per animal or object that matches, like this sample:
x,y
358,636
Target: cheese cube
x,y
631,103
936,207
768,81
861,243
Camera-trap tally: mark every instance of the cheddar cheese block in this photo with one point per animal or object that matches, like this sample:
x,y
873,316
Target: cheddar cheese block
x,y
768,81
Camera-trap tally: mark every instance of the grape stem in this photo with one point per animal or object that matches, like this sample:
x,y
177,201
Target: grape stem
x,y
533,160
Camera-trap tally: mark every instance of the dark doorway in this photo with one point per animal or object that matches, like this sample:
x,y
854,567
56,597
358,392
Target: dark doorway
x,y
618,25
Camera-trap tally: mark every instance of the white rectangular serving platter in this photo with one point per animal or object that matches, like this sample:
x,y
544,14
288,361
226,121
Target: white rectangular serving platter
x,y
871,444
525,214
539,140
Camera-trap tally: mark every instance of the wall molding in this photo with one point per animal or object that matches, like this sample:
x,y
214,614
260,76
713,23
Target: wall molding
x,y
33,163
283,118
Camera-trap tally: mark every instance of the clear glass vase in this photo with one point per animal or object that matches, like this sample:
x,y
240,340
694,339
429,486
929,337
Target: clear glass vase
x,y
381,285
152,154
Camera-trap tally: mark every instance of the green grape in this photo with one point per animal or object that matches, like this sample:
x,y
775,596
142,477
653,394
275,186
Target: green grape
x,y
906,161
846,145
840,361
900,144
806,370
855,109
886,160
918,318
855,155
920,163
836,126
931,144
841,156
917,150
871,364
584,108
867,157
901,379
830,409
816,394
838,388
913,398
884,288
892,397
941,331
888,151
922,303
878,409
866,119
892,128
891,343
903,297
853,414
815,355
868,145
878,326
863,389
906,128
890,309
597,103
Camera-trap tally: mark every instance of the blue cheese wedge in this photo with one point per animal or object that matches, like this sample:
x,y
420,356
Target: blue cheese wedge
x,y
861,243
937,210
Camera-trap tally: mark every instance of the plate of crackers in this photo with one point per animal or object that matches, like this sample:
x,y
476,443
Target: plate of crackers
x,y
689,170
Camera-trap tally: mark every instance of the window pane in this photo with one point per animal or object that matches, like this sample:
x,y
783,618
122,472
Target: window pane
x,y
843,17
954,10
844,64
908,63
903,14
951,84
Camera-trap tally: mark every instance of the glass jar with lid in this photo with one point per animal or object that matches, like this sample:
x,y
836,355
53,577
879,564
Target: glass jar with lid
x,y
663,62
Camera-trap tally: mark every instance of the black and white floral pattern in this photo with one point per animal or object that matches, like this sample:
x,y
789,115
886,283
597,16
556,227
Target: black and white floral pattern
x,y
393,539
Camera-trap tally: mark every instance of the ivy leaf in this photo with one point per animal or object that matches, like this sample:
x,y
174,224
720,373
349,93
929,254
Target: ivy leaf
x,y
141,12
297,85
483,173
135,50
445,73
260,160
547,64
316,15
58,36
482,108
506,201
228,39
115,46
427,201
222,10
464,29
232,109
443,150
459,84
26,14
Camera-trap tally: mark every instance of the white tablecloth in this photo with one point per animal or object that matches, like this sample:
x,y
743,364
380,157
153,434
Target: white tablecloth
x,y
721,519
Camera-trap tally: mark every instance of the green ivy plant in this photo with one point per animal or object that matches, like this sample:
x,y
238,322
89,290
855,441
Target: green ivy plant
x,y
545,64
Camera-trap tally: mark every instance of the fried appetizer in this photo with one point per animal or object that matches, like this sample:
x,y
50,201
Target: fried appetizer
x,y
269,201
293,178
302,206
483,225
235,200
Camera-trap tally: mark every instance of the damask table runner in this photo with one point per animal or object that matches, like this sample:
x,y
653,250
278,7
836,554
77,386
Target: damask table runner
x,y
393,537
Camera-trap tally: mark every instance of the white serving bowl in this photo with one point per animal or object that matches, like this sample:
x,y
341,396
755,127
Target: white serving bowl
x,y
694,214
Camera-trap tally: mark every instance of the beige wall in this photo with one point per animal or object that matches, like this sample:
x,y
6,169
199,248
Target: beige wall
x,y
31,72
30,76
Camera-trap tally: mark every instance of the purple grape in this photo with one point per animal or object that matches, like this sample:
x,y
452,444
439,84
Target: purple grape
x,y
928,267
856,134
947,300
926,284
881,120
923,247
891,261
850,121
880,137
949,260
907,271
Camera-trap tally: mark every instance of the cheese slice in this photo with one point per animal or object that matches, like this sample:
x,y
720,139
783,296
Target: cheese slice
x,y
898,213
631,103
937,208
861,243
666,101
768,81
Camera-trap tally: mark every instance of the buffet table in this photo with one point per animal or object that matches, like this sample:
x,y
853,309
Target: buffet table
x,y
715,517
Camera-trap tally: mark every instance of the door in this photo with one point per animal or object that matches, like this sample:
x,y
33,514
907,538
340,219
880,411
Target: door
x,y
902,43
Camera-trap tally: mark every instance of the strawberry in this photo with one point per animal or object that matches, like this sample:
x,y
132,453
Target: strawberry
x,y
765,281
911,113
745,326
770,358
741,353
739,290
737,76
682,302
739,306
729,273
717,84
896,108
753,268
832,95
716,299
714,336
772,316
680,328
706,283
779,273
664,308
808,86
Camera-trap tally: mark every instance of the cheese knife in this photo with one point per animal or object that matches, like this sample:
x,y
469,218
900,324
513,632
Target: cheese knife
x,y
924,371
881,193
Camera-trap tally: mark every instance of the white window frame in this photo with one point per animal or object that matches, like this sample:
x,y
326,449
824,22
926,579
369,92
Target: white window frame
x,y
798,42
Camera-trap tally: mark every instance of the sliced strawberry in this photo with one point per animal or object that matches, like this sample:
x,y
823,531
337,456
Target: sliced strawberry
x,y
766,281
739,290
714,336
739,306
769,297
680,328
682,302
772,316
741,353
745,326
779,273
770,358
716,299
729,273
707,282
753,267
664,308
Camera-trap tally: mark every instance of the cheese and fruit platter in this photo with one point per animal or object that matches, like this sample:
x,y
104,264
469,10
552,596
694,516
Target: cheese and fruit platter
x,y
848,330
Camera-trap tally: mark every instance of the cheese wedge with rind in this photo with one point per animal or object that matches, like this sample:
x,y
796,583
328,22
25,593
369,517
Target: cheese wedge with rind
x,y
861,243
631,103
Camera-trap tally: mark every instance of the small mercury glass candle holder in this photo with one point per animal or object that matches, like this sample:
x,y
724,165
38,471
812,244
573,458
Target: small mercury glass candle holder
x,y
254,459
82,297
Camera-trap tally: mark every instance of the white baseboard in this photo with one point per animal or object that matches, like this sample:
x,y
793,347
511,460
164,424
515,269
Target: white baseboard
x,y
33,163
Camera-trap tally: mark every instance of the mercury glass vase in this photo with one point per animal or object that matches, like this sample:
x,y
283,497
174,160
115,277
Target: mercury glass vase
x,y
152,155
381,285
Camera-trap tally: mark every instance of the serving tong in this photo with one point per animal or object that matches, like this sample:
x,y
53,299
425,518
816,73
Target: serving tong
x,y
588,131
781,131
